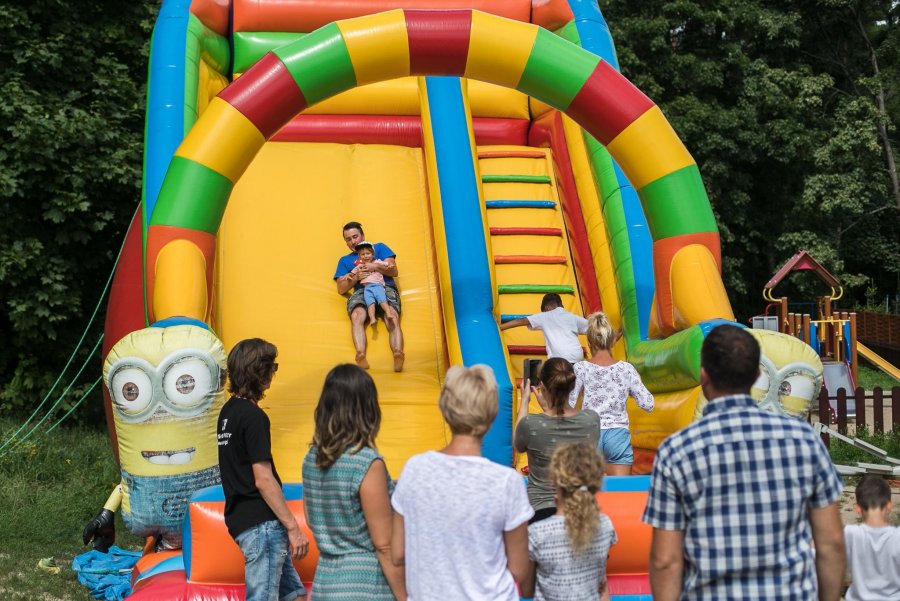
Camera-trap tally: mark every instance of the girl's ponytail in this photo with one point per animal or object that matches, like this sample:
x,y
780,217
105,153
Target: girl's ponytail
x,y
576,470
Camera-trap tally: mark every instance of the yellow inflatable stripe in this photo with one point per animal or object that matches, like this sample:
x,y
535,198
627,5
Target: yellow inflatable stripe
x,y
492,38
180,285
378,46
225,141
697,290
649,149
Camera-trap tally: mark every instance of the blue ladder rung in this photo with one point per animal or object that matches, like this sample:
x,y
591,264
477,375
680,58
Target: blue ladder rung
x,y
504,317
520,204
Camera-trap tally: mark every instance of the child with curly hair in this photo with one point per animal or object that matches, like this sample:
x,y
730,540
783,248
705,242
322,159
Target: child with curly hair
x,y
570,549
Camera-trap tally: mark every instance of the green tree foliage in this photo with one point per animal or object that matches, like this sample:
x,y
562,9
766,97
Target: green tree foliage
x,y
72,80
779,101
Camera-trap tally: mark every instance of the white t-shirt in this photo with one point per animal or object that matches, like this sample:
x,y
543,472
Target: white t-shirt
x,y
455,510
561,330
873,556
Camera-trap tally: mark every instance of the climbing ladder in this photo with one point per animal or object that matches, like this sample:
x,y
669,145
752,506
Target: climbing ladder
x,y
529,241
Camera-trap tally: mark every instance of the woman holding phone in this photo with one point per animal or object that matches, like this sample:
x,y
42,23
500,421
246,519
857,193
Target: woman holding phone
x,y
539,434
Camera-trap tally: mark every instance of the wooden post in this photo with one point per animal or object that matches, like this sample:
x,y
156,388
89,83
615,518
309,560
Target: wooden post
x,y
827,308
878,409
825,414
854,359
806,338
782,315
789,329
895,409
842,410
860,394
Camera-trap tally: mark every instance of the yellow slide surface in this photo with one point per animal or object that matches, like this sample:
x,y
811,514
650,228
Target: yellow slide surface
x,y
278,247
877,360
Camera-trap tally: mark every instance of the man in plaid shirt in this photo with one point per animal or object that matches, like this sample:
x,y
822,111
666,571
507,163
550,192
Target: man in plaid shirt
x,y
737,498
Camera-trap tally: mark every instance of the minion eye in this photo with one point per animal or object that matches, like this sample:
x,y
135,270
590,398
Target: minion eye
x,y
131,390
797,385
188,383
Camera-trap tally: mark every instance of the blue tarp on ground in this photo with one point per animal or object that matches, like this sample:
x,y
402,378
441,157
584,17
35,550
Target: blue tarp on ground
x,y
107,575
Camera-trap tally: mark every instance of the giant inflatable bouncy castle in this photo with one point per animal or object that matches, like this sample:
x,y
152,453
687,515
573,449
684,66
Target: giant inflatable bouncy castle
x,y
493,144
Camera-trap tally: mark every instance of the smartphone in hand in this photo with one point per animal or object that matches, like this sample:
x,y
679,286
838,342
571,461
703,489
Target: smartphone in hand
x,y
531,370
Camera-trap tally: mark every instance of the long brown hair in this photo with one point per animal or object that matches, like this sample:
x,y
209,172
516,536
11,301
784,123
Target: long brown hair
x,y
347,417
576,471
558,379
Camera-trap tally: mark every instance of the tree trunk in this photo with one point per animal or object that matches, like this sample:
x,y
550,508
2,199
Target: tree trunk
x,y
882,113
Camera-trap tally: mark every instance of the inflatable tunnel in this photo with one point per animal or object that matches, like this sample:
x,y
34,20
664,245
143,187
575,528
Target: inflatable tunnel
x,y
492,144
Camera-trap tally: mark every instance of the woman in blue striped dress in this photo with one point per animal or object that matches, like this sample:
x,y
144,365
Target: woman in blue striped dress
x,y
346,488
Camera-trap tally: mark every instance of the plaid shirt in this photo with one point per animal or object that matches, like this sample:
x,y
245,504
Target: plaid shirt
x,y
740,482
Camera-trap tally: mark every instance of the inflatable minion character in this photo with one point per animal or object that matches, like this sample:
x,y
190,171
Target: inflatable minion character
x,y
167,388
790,375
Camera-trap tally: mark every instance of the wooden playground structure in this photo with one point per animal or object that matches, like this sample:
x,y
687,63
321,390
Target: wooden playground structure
x,y
833,333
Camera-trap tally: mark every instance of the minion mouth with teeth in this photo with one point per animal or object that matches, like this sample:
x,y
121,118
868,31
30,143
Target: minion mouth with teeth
x,y
167,388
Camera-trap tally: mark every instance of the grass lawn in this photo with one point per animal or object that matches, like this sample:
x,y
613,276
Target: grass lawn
x,y
50,486
870,377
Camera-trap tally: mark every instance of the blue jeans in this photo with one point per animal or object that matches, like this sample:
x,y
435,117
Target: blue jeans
x,y
615,444
373,294
269,574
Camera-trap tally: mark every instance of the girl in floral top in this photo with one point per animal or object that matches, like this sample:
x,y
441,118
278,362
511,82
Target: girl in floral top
x,y
606,384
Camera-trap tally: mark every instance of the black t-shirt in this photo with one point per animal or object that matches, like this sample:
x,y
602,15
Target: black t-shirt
x,y
243,433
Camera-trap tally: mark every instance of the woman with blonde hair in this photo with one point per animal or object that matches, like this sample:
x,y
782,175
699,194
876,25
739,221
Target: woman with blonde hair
x,y
461,520
606,384
540,433
570,549
346,491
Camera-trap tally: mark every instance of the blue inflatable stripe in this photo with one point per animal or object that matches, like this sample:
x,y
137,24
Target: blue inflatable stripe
x,y
595,37
165,97
472,293
520,204
179,321
708,326
626,484
176,562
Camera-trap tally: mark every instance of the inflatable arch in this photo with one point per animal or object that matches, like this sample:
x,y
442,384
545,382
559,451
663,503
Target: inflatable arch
x,y
181,236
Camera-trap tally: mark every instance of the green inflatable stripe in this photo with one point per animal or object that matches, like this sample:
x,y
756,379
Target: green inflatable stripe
x,y
522,179
563,63
569,32
676,204
250,46
320,64
672,363
185,183
533,289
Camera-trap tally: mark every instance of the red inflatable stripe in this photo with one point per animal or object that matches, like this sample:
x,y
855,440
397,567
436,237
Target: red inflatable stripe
x,y
526,231
399,130
510,154
538,259
266,94
438,41
622,103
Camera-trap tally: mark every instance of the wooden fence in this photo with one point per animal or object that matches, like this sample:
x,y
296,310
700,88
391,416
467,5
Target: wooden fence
x,y
878,328
878,410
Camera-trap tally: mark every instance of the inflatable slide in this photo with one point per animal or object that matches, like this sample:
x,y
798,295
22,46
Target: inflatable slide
x,y
492,144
